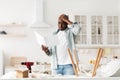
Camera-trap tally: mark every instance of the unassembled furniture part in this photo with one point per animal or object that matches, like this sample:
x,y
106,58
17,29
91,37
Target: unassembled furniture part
x,y
76,68
98,58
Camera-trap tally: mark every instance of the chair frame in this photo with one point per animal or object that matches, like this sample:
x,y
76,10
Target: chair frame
x,y
97,62
76,68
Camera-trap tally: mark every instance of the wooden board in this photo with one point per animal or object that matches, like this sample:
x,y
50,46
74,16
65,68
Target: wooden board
x,y
98,58
16,61
73,64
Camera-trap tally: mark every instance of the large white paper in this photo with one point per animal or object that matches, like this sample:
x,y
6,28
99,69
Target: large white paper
x,y
50,40
40,39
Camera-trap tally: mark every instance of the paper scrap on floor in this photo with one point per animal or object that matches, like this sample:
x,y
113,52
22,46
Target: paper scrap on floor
x,y
50,40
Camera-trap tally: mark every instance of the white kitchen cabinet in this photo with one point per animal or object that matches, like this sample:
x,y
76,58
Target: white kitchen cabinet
x,y
98,31
113,30
82,37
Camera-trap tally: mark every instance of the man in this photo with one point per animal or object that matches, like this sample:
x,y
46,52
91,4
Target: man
x,y
61,63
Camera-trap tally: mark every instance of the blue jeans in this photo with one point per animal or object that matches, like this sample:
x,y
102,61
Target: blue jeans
x,y
64,70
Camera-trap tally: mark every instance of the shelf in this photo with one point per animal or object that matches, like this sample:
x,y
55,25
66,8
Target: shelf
x,y
12,35
12,25
97,46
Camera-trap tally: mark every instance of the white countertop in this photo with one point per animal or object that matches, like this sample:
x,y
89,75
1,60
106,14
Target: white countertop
x,y
37,76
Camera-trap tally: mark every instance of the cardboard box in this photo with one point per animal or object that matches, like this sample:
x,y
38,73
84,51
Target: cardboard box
x,y
22,74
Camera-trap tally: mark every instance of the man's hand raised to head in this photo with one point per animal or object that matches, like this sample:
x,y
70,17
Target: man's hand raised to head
x,y
65,18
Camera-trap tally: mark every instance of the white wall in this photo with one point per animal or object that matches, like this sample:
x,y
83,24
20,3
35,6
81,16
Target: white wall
x,y
54,8
119,6
23,11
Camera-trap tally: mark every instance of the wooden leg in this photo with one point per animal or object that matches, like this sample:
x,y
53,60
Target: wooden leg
x,y
99,58
77,63
100,52
73,64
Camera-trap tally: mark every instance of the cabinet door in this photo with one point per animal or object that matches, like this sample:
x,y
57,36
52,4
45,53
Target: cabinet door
x,y
112,30
82,37
96,30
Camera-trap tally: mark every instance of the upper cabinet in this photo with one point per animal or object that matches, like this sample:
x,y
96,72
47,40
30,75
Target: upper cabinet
x,y
97,30
82,37
113,30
